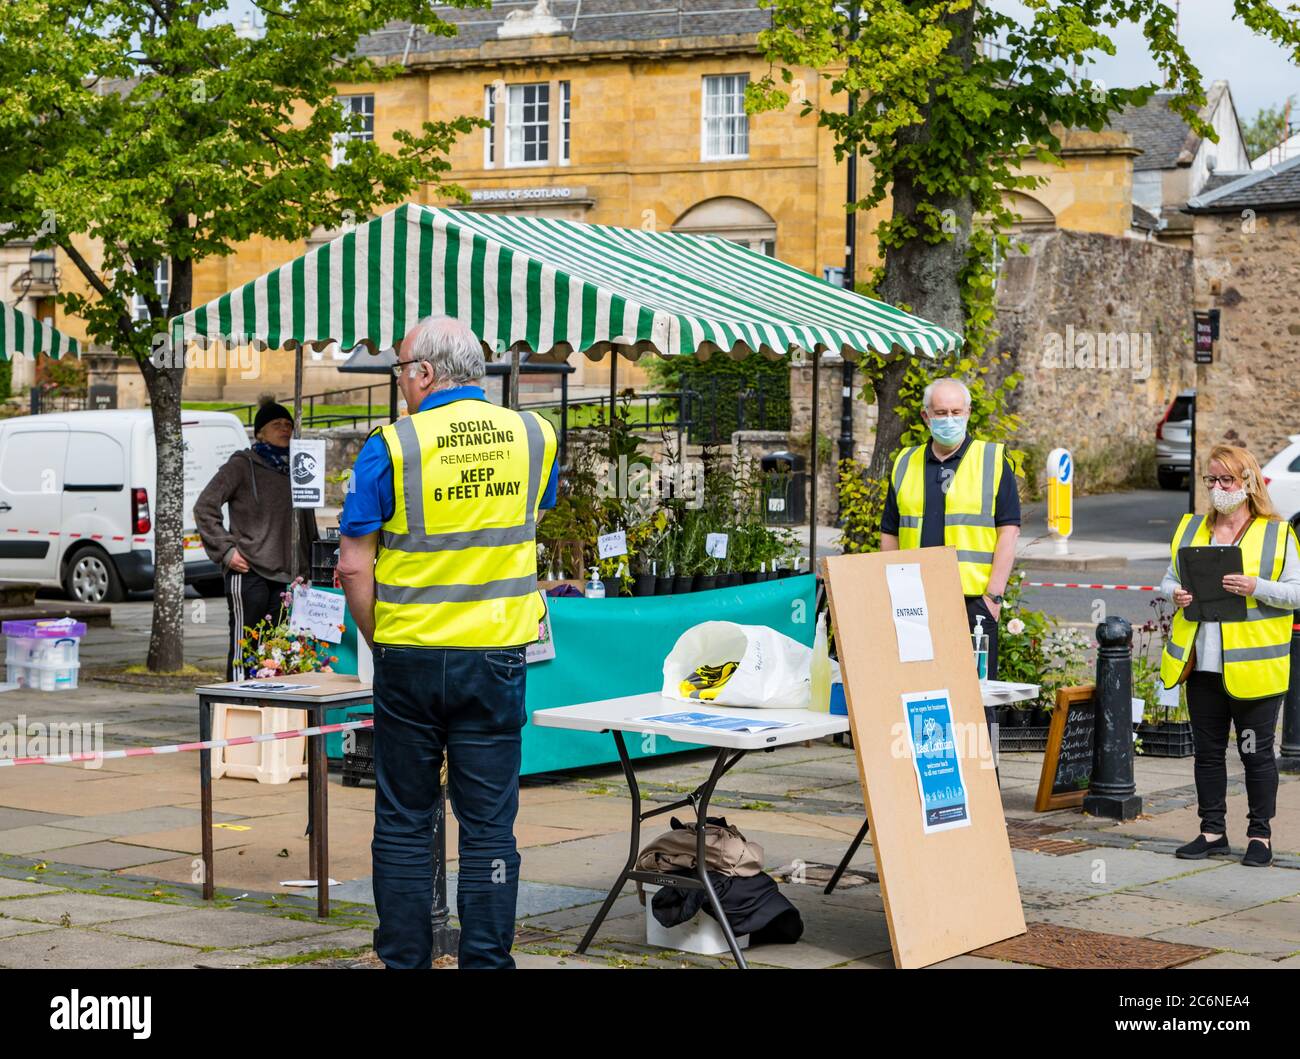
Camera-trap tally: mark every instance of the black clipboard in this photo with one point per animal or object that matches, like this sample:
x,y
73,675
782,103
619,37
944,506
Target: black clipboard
x,y
1200,571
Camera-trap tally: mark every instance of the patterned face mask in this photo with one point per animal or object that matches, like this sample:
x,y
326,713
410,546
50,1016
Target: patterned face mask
x,y
1226,503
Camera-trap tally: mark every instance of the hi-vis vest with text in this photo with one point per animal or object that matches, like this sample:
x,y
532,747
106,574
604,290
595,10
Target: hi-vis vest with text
x,y
1257,651
457,563
968,508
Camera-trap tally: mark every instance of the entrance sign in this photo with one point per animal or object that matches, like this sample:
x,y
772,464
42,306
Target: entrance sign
x,y
949,890
911,618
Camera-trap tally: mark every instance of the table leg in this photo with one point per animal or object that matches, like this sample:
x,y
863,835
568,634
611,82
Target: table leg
x,y
205,795
634,846
705,792
319,783
853,848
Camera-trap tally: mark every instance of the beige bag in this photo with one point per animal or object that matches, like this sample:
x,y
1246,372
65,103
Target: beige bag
x,y
726,850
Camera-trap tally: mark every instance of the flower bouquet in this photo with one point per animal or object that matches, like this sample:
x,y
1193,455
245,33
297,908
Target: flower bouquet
x,y
270,649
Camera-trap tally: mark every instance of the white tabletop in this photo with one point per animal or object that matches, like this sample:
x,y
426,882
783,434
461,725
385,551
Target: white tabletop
x,y
625,715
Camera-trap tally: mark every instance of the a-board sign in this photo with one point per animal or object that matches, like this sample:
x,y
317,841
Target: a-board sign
x,y
938,833
1067,764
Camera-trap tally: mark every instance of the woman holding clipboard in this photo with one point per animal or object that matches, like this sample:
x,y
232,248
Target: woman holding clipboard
x,y
1236,670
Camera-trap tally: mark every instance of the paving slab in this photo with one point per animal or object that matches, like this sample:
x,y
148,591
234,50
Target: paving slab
x,y
219,928
348,938
12,818
981,963
1230,961
84,909
12,927
1129,914
111,855
143,821
22,888
1229,887
73,948
35,837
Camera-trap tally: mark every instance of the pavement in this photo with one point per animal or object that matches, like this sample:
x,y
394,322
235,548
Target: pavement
x,y
99,867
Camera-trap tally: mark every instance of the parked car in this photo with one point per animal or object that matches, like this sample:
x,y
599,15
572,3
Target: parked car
x,y
75,491
1282,476
1174,442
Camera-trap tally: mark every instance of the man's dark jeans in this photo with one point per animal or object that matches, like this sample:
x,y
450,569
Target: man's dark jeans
x,y
1212,709
470,705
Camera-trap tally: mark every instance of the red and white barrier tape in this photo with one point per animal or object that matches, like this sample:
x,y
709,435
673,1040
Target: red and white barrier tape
x,y
1072,584
209,744
75,536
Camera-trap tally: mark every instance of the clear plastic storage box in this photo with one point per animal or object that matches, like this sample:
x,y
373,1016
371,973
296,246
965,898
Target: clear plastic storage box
x,y
43,654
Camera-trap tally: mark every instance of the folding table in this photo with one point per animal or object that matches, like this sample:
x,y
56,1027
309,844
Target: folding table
x,y
322,691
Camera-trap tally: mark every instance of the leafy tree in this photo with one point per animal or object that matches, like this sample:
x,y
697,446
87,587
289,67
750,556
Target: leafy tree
x,y
1268,128
952,97
134,132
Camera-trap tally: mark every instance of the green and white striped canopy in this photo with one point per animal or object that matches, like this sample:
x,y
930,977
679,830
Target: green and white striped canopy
x,y
20,333
553,287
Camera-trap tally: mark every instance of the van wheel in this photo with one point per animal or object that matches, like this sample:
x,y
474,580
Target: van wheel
x,y
89,576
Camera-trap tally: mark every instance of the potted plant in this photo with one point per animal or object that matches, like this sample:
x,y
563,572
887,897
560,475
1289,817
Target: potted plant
x,y
1166,728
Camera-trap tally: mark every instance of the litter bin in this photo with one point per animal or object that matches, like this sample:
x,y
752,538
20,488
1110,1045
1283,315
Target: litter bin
x,y
785,484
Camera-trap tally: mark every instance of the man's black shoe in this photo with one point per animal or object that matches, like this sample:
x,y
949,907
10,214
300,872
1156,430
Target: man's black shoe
x,y
1198,848
1258,855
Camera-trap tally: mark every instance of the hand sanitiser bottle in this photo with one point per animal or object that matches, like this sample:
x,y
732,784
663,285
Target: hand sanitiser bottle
x,y
980,642
820,674
595,586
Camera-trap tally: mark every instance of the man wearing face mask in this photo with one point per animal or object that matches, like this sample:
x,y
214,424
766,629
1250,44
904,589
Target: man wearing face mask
x,y
1236,672
958,492
438,561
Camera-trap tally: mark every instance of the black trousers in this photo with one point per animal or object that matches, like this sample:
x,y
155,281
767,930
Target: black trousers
x,y
1212,709
251,598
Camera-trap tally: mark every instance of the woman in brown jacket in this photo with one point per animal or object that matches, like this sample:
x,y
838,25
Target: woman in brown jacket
x,y
254,551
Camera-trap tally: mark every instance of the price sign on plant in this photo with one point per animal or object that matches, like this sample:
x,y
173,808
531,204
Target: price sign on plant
x,y
609,545
716,545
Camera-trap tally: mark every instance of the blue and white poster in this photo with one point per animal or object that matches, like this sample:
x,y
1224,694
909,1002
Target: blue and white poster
x,y
944,804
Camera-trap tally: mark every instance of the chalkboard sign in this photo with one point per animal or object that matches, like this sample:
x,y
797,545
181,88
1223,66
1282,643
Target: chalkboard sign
x,y
1067,765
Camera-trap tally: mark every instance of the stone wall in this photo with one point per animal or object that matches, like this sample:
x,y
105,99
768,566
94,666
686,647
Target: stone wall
x,y
1100,328
830,413
1247,267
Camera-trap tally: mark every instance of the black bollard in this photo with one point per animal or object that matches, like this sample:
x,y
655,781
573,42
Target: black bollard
x,y
1290,759
446,938
1113,793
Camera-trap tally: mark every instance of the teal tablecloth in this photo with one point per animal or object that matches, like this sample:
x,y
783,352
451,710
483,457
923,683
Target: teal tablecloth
x,y
605,648
612,647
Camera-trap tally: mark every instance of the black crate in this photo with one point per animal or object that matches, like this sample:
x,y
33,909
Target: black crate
x,y
1168,739
1021,740
324,560
359,762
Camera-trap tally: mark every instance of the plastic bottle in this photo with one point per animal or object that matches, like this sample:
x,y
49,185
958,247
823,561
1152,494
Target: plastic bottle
x,y
595,587
980,642
820,672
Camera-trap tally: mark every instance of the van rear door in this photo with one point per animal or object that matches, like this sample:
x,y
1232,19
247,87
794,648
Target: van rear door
x,y
32,458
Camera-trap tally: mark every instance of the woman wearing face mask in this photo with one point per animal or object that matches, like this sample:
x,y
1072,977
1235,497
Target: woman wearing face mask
x,y
254,550
1236,672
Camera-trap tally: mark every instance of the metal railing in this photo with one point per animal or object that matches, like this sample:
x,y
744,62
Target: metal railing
x,y
322,417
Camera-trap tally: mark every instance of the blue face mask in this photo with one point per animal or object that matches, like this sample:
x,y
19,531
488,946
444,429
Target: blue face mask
x,y
948,430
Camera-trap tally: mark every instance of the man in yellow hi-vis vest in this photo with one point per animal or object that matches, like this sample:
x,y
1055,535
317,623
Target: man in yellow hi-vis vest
x,y
961,493
438,560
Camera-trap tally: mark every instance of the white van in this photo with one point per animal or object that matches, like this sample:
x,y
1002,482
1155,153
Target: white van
x,y
75,495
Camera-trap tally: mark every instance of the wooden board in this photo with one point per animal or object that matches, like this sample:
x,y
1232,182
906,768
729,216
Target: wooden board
x,y
951,891
1067,765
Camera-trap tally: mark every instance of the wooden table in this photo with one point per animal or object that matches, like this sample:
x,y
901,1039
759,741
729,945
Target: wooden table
x,y
323,691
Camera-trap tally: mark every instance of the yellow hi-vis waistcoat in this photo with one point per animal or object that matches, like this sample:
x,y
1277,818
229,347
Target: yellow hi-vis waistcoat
x,y
457,564
968,508
1257,651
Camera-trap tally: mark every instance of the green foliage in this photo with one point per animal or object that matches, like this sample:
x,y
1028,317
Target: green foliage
x,y
719,381
1039,651
6,379
862,503
1114,465
1266,129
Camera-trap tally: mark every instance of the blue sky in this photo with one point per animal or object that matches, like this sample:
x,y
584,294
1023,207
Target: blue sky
x,y
1261,73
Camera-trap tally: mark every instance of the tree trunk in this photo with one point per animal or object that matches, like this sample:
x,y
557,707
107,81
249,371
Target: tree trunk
x,y
166,635
164,379
924,276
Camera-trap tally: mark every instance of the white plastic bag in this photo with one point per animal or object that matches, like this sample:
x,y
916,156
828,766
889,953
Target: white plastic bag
x,y
772,673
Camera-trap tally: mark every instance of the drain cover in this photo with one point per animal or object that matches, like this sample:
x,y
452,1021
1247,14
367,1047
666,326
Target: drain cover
x,y
1048,945
820,874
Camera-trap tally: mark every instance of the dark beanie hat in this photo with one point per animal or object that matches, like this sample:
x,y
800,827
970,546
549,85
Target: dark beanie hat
x,y
269,413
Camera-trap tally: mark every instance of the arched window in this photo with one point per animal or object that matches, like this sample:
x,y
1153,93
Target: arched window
x,y
731,218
